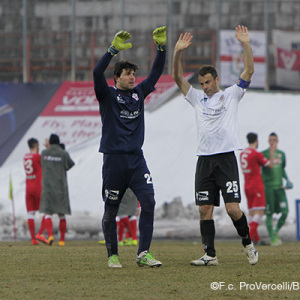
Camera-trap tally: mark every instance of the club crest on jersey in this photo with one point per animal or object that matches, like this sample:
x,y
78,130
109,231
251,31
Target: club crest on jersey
x,y
119,99
222,98
135,96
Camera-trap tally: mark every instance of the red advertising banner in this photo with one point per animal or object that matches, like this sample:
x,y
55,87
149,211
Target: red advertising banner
x,y
288,59
78,98
73,99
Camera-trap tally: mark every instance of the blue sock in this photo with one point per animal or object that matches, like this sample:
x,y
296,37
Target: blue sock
x,y
146,230
146,221
109,227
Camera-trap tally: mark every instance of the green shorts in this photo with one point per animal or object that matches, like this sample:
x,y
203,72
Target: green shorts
x,y
276,201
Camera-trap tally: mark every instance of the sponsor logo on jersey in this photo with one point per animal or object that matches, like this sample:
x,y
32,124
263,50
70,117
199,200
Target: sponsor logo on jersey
x,y
120,100
135,96
202,196
129,114
112,194
214,112
236,195
52,158
277,162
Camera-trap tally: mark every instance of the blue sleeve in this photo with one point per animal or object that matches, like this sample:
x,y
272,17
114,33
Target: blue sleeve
x,y
100,85
157,69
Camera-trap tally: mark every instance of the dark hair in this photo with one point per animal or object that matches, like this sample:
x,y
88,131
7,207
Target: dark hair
x,y
273,133
208,69
62,146
124,65
54,139
32,142
251,137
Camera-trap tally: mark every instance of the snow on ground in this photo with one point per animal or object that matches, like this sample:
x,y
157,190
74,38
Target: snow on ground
x,y
170,147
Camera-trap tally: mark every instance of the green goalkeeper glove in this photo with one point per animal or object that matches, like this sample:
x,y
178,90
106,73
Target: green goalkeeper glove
x,y
289,185
118,43
160,38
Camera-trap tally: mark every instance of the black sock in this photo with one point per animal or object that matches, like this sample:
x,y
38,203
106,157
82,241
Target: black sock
x,y
202,237
207,229
242,228
109,227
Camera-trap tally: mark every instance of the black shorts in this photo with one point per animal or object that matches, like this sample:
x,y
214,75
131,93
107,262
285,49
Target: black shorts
x,y
217,173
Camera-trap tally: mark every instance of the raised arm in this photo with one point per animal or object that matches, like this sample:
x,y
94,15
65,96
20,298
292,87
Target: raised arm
x,y
160,39
241,33
117,45
98,72
183,42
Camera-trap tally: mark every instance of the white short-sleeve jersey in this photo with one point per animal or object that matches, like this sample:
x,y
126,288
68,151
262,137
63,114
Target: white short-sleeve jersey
x,y
217,119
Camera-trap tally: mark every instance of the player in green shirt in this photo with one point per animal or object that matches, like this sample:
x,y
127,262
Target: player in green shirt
x,y
276,201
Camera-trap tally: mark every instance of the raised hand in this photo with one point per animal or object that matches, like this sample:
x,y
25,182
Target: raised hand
x,y
184,41
118,42
160,38
120,39
241,33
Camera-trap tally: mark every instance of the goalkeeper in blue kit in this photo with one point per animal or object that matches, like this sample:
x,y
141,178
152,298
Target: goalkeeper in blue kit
x,y
124,166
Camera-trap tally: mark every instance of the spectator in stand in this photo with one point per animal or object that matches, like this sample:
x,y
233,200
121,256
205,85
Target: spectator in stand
x,y
55,196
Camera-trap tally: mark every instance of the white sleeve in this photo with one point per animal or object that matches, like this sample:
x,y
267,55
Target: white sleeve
x,y
236,92
192,95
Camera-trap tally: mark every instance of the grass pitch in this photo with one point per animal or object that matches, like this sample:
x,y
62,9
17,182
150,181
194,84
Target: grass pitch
x,y
79,271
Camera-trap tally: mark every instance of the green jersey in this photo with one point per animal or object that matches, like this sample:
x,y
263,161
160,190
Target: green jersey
x,y
272,177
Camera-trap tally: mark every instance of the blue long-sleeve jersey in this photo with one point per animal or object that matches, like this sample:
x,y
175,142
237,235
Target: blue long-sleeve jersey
x,y
122,111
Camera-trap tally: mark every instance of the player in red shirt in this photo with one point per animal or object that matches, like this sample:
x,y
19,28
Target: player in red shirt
x,y
33,170
251,163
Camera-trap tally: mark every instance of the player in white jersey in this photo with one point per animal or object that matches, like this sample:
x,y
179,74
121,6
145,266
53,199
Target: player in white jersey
x,y
217,126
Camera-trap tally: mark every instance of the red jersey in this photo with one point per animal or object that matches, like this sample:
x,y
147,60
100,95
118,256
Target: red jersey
x,y
251,161
33,170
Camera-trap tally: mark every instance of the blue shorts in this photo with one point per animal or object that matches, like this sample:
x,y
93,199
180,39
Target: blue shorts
x,y
122,171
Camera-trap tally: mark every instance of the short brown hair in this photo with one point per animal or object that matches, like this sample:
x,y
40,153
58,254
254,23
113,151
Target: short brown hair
x,y
208,69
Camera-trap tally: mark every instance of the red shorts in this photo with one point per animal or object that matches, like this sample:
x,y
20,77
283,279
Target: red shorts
x,y
255,197
33,200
